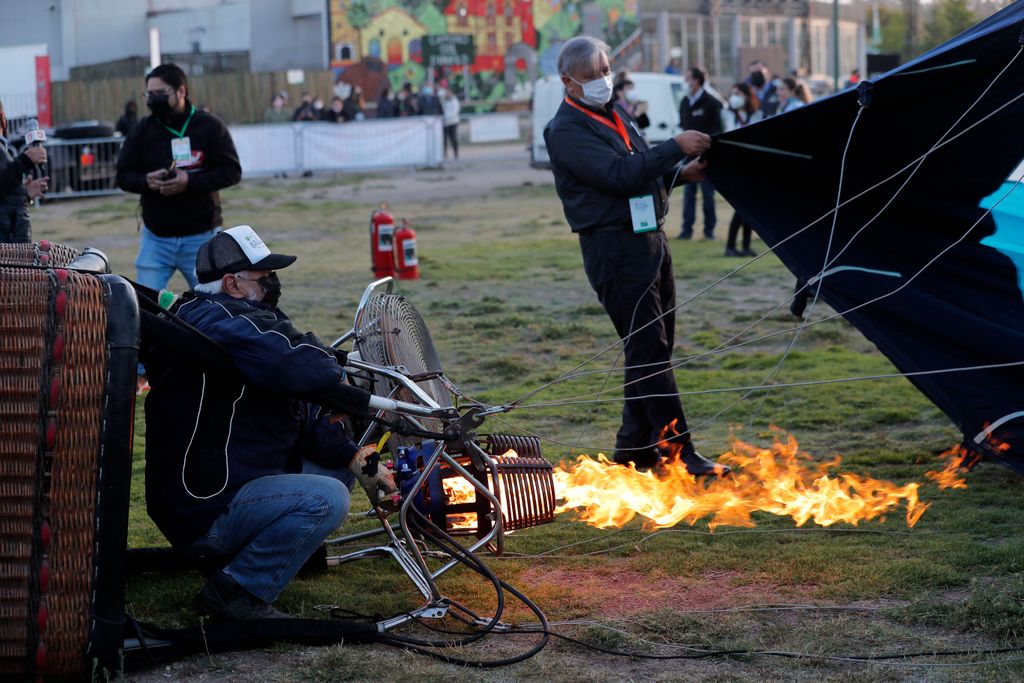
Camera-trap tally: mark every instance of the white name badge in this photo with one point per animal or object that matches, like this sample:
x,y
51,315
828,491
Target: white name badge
x,y
641,210
181,151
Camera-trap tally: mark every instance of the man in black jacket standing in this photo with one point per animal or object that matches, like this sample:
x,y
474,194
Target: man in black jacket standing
x,y
177,159
699,111
614,191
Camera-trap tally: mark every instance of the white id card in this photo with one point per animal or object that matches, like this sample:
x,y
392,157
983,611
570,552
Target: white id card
x,y
641,209
181,151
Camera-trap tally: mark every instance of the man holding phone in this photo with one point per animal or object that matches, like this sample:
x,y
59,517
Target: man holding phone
x,y
176,159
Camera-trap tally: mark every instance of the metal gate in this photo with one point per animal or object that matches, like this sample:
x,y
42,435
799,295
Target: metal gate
x,y
82,167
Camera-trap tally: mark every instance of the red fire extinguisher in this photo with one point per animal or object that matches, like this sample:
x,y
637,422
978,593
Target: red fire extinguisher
x,y
382,243
407,262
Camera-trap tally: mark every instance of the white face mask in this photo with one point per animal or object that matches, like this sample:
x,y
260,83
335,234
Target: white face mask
x,y
597,92
737,101
631,96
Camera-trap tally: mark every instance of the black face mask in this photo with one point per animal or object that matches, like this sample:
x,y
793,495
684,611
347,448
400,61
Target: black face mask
x,y
757,79
159,104
271,289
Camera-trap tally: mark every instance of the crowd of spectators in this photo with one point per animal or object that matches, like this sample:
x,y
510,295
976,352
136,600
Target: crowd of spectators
x,y
349,104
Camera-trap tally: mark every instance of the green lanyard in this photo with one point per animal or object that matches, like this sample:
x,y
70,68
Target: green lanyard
x,y
180,133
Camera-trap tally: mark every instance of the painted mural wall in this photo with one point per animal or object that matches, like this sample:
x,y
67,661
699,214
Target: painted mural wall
x,y
516,41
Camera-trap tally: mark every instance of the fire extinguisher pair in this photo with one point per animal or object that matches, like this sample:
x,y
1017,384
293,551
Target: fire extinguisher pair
x,y
393,252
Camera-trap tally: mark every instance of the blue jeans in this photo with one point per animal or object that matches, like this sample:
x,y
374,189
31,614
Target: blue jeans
x,y
272,526
690,207
159,257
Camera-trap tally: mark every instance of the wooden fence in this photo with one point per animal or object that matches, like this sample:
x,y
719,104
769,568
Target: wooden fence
x,y
233,97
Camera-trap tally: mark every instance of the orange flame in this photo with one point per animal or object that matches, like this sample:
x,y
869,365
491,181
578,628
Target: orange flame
x,y
459,490
959,460
780,480
949,477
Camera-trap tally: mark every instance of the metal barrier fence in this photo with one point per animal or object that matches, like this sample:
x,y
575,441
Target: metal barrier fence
x,y
287,148
84,167
88,166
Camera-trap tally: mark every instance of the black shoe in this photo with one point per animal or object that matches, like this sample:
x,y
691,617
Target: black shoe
x,y
643,459
699,466
224,600
729,251
799,303
748,252
684,235
709,235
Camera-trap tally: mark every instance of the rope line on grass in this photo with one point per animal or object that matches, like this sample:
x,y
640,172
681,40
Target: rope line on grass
x,y
809,324
918,162
791,385
829,262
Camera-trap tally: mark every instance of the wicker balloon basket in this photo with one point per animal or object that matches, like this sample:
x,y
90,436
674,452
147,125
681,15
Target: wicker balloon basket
x,y
68,349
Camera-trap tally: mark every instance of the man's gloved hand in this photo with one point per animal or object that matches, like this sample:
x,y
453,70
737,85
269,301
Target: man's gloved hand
x,y
375,477
340,356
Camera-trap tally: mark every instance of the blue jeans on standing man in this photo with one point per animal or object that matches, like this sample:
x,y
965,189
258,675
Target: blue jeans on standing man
x,y
274,524
690,208
159,257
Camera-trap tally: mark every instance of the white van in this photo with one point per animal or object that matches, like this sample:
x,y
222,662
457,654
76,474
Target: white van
x,y
662,92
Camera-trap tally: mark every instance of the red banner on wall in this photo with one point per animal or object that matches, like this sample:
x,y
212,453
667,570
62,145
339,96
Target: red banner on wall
x,y
44,111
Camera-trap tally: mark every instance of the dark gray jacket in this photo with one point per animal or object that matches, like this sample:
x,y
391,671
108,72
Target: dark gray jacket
x,y
14,221
595,175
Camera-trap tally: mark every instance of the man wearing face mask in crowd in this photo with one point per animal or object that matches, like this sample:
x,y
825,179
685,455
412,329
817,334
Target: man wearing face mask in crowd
x,y
176,159
241,465
760,79
614,191
699,110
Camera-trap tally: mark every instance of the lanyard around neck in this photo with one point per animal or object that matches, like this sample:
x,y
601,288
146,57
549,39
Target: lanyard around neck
x,y
618,127
180,133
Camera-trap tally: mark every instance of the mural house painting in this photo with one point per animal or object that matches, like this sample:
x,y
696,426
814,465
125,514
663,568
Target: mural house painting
x,y
378,42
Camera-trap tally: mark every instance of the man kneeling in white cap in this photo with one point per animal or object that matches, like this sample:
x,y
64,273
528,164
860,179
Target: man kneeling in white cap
x,y
238,467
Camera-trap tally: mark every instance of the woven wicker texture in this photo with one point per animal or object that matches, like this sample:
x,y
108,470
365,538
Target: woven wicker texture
x,y
52,374
24,309
73,472
39,254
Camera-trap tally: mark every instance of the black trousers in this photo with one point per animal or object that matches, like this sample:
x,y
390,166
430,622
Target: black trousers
x,y
734,227
451,136
632,276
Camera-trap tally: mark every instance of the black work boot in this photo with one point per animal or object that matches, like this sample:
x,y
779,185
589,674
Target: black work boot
x,y
643,459
698,465
225,600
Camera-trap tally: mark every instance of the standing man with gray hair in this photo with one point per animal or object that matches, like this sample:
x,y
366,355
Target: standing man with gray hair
x,y
614,191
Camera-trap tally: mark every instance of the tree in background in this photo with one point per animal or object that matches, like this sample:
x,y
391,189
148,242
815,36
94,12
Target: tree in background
x,y
894,29
948,18
360,14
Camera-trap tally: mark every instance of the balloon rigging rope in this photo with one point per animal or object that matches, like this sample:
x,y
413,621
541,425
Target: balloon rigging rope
x,y
573,372
916,164
816,322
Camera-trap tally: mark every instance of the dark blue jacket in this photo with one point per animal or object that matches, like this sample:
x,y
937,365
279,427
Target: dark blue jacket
x,y
14,219
209,433
704,115
595,175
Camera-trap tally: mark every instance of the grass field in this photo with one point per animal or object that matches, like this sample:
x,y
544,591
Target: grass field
x,y
509,308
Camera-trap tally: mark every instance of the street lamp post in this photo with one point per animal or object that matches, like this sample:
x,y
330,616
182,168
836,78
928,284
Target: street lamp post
x,y
835,45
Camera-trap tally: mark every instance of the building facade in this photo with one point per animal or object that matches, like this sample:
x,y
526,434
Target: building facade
x,y
100,38
724,36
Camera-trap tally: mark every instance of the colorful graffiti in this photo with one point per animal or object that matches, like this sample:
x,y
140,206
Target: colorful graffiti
x,y
515,40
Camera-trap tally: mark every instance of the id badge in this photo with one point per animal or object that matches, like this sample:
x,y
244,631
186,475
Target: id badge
x,y
181,151
641,210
